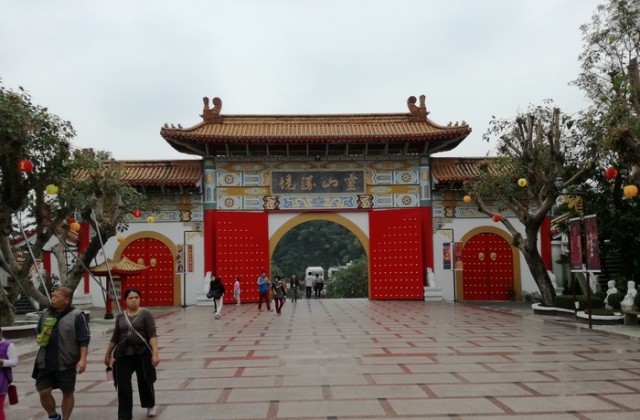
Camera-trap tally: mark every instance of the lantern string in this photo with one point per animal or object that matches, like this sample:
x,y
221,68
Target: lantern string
x,y
26,241
106,261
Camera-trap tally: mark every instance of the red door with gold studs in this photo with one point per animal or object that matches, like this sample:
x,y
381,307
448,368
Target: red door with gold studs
x,y
488,268
156,282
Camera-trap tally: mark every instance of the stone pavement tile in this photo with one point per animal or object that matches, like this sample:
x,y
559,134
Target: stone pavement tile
x,y
491,377
528,367
448,406
377,391
444,368
554,416
362,408
478,390
576,388
555,404
303,393
416,378
630,400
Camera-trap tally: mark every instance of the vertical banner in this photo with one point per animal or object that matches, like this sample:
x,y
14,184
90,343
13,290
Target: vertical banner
x,y
575,244
179,259
457,256
189,258
446,255
592,246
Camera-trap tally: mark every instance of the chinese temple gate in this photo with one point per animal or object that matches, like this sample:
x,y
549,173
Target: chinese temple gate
x,y
265,174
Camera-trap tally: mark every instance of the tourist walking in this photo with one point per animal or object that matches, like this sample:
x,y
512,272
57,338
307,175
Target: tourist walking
x,y
134,348
236,290
263,290
294,286
308,283
8,360
279,292
216,290
63,337
318,285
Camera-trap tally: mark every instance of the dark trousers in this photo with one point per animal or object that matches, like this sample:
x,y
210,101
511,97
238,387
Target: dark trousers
x,y
294,294
279,304
124,368
309,288
264,296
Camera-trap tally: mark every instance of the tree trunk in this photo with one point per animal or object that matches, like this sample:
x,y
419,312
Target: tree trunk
x,y
536,266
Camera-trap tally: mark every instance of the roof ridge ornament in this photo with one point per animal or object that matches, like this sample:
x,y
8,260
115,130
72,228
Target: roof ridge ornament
x,y
212,115
418,113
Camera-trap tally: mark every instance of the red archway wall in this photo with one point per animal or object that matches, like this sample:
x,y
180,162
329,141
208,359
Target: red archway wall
x,y
395,267
241,249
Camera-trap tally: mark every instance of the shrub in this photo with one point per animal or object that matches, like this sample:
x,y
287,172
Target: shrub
x,y
566,302
615,299
602,312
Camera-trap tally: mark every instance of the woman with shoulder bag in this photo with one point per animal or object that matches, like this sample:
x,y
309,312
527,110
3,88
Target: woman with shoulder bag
x,y
8,360
134,348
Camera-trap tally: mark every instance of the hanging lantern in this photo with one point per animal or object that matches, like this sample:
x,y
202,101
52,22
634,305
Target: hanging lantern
x,y
74,226
151,219
496,217
25,165
136,213
630,190
610,173
51,189
467,199
120,239
522,182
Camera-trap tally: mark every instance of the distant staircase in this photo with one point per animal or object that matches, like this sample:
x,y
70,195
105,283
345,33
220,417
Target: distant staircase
x,y
23,305
612,264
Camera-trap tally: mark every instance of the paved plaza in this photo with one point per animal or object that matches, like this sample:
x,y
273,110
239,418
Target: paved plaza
x,y
360,359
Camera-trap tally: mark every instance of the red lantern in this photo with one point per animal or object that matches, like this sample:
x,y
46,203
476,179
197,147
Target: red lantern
x,y
136,213
610,173
72,220
496,217
25,165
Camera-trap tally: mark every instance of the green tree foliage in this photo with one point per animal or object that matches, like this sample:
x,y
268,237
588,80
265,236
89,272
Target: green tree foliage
x,y
547,150
88,185
350,282
610,76
315,243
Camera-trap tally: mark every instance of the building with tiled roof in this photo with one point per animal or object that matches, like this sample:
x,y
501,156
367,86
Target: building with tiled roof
x,y
258,176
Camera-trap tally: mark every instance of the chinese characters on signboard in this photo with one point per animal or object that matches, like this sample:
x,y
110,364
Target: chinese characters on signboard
x,y
591,246
583,244
457,256
575,244
446,255
328,182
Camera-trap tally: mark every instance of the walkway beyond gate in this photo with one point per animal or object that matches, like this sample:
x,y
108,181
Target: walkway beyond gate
x,y
360,359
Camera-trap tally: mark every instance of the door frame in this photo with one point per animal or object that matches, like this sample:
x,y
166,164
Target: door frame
x,y
515,256
148,234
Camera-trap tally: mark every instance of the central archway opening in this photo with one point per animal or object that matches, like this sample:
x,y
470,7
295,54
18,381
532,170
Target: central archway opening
x,y
328,245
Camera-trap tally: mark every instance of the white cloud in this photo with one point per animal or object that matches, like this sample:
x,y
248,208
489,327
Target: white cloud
x,y
119,70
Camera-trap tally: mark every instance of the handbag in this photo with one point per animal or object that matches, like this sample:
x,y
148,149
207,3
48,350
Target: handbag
x,y
13,394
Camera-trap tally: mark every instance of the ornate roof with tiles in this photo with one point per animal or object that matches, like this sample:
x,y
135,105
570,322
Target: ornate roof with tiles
x,y
183,173
447,171
222,135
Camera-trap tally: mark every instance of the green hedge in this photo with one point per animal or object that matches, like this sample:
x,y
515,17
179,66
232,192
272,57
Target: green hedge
x,y
566,302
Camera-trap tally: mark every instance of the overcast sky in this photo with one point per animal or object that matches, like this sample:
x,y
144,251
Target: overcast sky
x,y
119,69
